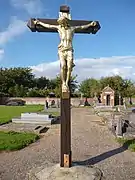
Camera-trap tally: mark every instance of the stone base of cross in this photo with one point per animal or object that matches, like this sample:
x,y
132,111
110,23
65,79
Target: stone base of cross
x,y
66,29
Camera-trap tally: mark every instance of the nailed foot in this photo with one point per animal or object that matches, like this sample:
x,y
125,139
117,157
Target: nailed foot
x,y
65,88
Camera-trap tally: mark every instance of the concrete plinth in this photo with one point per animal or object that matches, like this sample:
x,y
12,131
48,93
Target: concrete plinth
x,y
56,172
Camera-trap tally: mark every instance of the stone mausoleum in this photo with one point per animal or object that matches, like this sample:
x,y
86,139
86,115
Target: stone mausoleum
x,y
107,96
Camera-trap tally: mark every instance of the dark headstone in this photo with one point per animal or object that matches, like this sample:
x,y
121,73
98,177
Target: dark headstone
x,y
46,103
86,103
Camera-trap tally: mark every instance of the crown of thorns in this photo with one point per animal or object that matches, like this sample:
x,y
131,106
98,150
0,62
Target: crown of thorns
x,y
62,20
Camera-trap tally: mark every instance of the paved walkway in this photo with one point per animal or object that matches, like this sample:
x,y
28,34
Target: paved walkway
x,y
92,143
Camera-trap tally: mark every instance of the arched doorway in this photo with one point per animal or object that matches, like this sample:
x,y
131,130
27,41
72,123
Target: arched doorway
x,y
108,99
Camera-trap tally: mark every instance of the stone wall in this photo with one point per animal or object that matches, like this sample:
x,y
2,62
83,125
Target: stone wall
x,y
74,101
34,100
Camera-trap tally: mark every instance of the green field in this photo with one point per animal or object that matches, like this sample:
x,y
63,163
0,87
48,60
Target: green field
x,y
15,140
128,143
8,112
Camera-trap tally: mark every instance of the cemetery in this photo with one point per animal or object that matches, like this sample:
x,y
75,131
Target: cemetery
x,y
32,122
20,122
8,112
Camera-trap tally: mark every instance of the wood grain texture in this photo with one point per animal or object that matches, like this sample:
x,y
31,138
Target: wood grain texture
x,y
39,28
65,132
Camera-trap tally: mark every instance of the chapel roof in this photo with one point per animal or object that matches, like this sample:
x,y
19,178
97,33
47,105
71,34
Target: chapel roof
x,y
107,88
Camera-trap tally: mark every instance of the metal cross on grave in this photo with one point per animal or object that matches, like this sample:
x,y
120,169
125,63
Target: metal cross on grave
x,y
66,29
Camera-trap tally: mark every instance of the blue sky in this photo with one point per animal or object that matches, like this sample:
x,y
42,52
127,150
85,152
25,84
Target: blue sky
x,y
111,51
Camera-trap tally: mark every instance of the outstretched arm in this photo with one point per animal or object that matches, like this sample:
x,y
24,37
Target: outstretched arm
x,y
92,24
37,22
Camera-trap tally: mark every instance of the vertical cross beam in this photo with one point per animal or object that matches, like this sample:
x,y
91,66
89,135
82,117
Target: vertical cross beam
x,y
65,137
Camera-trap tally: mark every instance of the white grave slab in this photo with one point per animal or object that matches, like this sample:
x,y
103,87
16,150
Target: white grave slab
x,y
34,118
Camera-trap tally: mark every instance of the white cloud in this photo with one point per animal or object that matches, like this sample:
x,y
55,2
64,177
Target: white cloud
x,y
88,67
15,28
1,53
49,70
33,7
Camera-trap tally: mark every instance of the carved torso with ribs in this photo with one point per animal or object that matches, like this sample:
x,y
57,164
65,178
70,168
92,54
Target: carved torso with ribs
x,y
66,38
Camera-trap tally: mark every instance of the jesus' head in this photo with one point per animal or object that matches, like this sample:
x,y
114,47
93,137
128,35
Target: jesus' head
x,y
63,21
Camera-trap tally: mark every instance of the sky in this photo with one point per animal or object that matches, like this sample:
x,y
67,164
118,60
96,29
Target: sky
x,y
109,52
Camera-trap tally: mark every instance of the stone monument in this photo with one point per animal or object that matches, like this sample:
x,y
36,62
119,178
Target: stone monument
x,y
66,29
108,96
124,104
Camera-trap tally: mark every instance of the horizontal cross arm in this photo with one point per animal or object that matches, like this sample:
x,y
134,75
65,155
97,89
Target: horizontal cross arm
x,y
73,23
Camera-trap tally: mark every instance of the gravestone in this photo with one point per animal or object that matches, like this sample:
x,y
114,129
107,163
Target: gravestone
x,y
119,128
34,118
130,123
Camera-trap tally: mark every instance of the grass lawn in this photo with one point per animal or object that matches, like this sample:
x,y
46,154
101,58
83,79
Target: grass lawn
x,y
55,113
15,141
8,112
128,143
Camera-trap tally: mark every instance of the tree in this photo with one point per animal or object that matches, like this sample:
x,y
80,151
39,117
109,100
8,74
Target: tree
x,y
17,90
11,91
56,85
33,93
129,89
115,82
73,84
15,76
23,91
21,82
89,87
41,83
5,80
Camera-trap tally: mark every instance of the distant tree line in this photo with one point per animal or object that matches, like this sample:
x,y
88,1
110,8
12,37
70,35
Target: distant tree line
x,y
122,87
21,82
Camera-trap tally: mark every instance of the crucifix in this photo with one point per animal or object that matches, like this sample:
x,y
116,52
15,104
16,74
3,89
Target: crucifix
x,y
66,29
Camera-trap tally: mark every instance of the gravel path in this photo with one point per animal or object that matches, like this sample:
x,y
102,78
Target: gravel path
x,y
92,143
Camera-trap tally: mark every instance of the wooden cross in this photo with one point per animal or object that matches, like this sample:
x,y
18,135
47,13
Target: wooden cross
x,y
39,28
66,160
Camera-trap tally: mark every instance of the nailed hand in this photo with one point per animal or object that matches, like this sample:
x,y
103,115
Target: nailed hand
x,y
93,23
36,21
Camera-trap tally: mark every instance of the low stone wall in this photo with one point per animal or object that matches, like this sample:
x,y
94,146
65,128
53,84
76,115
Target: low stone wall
x,y
74,101
38,100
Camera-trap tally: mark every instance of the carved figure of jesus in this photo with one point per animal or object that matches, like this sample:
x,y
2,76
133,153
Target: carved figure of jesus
x,y
65,48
